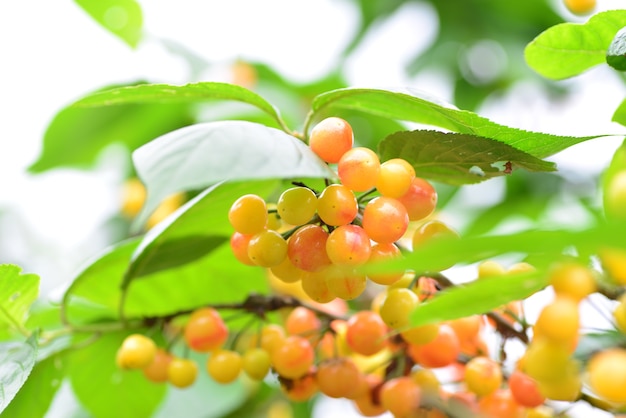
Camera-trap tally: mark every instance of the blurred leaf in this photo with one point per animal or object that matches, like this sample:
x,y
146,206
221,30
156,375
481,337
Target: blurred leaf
x,y
198,156
123,18
411,107
457,158
613,194
17,292
436,255
167,93
34,398
568,49
591,343
194,400
478,297
196,229
16,363
620,114
76,136
104,389
616,55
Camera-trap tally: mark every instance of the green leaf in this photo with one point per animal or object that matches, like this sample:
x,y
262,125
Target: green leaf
x,y
616,55
77,135
99,282
569,49
478,297
591,343
409,106
620,114
123,18
457,158
205,391
104,389
215,278
16,362
196,229
614,184
204,154
442,253
189,93
35,397
17,292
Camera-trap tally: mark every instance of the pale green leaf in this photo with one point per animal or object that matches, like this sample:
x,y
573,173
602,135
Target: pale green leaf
x,y
198,156
17,293
123,18
568,49
17,360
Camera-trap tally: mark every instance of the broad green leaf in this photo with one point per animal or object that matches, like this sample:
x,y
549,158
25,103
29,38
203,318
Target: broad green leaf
x,y
17,292
100,281
215,278
77,135
35,397
457,158
16,362
412,106
123,18
189,93
620,114
591,343
568,49
478,297
196,229
198,156
616,55
104,389
205,391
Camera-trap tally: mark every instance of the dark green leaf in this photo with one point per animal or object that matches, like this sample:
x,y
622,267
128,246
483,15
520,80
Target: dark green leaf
x,y
104,389
16,362
76,136
478,297
177,241
457,158
17,292
35,397
568,49
409,106
189,93
616,55
198,156
123,18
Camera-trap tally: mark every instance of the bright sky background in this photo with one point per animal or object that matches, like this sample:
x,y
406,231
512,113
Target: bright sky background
x,y
52,53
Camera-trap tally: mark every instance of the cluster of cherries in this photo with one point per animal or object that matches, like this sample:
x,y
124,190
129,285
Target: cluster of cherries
x,y
322,238
374,356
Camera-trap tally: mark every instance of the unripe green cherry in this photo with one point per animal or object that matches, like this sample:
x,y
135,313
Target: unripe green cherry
x,y
297,205
397,307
